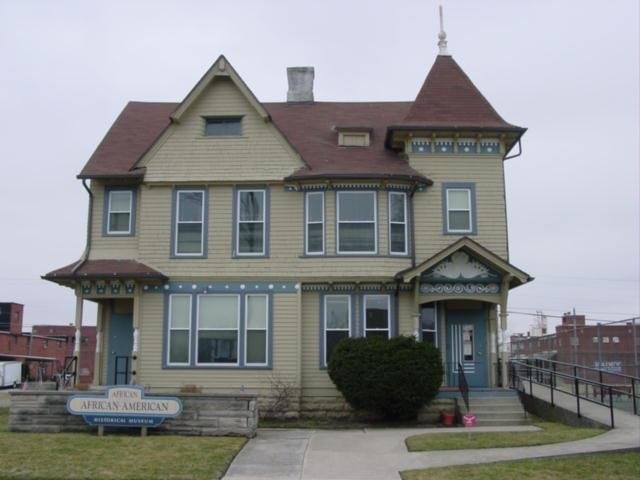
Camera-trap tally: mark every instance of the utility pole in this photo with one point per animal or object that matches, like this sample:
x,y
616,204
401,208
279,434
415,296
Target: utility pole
x,y
635,347
599,347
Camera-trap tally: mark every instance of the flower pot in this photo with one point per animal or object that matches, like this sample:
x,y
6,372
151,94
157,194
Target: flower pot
x,y
447,418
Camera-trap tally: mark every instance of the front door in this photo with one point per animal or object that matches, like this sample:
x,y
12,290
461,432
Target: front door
x,y
467,346
120,346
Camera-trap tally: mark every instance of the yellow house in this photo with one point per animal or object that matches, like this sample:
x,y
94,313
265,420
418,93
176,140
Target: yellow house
x,y
232,243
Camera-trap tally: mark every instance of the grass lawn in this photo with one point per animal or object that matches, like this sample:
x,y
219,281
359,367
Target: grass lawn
x,y
70,456
612,466
551,433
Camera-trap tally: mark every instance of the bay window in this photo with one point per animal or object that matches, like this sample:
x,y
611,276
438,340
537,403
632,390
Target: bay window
x,y
314,223
256,331
377,316
357,222
179,329
398,223
336,321
217,329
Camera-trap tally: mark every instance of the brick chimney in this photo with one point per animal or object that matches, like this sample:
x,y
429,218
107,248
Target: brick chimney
x,y
569,318
11,317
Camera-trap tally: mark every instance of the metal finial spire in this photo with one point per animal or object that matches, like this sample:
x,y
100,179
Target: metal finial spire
x,y
442,36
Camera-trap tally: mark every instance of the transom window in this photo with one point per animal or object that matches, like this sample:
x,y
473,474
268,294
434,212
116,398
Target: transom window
x,y
256,332
337,322
429,323
189,229
250,233
218,324
398,223
357,222
223,126
119,212
459,210
179,329
377,316
314,223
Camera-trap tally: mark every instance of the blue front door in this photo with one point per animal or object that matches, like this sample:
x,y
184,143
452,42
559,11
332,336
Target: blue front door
x,y
467,346
120,346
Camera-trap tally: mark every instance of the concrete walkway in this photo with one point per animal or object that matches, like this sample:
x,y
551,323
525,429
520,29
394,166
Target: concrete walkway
x,y
381,453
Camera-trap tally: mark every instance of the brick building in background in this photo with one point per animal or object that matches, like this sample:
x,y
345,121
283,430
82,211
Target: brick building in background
x,y
43,351
607,346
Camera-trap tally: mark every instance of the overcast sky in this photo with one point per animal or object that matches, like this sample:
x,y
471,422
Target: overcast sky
x,y
567,70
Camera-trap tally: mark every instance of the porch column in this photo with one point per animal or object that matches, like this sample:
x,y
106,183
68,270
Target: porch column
x,y
78,325
97,360
506,280
136,336
416,307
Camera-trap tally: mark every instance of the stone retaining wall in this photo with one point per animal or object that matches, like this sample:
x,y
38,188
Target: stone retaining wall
x,y
203,414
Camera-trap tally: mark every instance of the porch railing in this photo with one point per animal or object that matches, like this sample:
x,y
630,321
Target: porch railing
x,y
463,386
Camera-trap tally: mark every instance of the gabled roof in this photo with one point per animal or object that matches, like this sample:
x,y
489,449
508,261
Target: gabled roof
x,y
93,269
130,136
518,277
448,98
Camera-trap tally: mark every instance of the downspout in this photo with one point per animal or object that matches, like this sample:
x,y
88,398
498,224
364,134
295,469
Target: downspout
x,y
87,248
413,228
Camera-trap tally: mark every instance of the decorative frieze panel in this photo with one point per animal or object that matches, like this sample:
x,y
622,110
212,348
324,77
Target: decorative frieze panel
x,y
443,145
450,146
460,267
490,146
459,288
350,287
223,287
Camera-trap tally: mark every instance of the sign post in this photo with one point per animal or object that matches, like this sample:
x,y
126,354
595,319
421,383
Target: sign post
x,y
124,406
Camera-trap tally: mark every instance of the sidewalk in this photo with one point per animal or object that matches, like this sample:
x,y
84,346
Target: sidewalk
x,y
379,454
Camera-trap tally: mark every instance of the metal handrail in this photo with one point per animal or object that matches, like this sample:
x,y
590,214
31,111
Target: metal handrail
x,y
553,374
606,372
463,386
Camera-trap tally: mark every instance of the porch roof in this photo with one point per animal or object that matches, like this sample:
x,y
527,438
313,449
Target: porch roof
x,y
518,277
104,269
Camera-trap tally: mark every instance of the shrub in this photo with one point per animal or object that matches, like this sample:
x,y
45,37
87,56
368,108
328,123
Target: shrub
x,y
393,378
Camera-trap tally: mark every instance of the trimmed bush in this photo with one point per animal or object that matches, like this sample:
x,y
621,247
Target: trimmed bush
x,y
392,378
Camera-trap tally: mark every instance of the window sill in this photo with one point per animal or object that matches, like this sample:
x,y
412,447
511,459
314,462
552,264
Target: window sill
x,y
216,367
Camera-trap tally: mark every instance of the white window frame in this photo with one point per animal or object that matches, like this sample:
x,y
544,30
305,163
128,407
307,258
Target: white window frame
x,y
435,330
324,323
110,211
374,193
178,222
170,329
468,191
406,249
237,329
307,222
364,308
247,329
263,221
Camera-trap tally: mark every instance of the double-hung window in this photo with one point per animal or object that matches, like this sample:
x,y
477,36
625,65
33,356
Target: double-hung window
x,y
459,212
251,228
398,223
119,212
179,329
190,223
314,223
429,323
218,320
377,318
357,222
337,322
256,329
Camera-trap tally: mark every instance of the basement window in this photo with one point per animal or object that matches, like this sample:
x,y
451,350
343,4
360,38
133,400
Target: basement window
x,y
223,126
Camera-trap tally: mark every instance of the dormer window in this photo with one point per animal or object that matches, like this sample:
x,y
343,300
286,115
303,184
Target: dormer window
x,y
354,136
223,126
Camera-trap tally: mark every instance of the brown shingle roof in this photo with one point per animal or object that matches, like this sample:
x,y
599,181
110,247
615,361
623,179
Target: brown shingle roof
x,y
133,132
105,269
448,98
311,129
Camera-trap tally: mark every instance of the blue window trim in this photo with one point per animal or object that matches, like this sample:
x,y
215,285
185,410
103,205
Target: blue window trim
x,y
353,328
474,216
407,220
193,335
376,252
267,225
205,223
393,328
305,251
105,209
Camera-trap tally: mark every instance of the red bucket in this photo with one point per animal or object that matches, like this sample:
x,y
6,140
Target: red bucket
x,y
447,418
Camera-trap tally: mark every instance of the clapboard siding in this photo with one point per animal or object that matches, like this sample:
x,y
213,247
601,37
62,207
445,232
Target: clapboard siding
x,y
285,352
286,233
107,247
488,175
185,154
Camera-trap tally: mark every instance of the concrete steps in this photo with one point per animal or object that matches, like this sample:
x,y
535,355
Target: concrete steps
x,y
501,409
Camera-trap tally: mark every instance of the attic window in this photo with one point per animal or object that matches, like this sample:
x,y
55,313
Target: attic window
x,y
223,126
354,136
